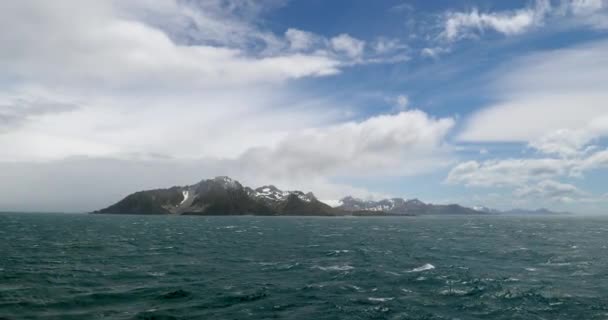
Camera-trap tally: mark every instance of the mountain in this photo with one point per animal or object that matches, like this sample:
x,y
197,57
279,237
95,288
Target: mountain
x,y
399,206
225,196
537,212
220,196
290,202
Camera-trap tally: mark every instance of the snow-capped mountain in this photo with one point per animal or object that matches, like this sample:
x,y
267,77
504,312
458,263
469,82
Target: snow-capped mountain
x,y
273,194
399,206
220,196
225,196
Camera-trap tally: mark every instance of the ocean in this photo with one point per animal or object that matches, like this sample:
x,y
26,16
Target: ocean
x,y
76,266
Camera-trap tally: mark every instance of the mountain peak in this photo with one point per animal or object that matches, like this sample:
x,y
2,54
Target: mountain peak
x,y
222,181
415,201
224,196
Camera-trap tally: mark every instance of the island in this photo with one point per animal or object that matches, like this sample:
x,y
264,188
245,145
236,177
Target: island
x,y
225,196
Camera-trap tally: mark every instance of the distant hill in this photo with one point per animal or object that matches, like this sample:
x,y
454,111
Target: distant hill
x,y
220,196
536,212
225,196
399,206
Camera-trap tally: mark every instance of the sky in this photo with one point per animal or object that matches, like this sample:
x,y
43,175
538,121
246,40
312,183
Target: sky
x,y
496,103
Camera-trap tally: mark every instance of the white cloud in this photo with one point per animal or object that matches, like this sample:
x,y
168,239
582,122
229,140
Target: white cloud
x,y
550,189
406,143
586,6
87,184
509,172
135,90
300,40
177,91
402,102
102,48
466,24
591,13
565,88
517,172
434,52
595,161
227,23
564,143
471,24
385,45
351,46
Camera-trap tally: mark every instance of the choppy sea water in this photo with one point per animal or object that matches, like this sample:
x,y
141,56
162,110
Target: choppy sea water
x,y
59,266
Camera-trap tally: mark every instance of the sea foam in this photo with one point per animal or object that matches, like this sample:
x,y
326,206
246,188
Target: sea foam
x,y
425,267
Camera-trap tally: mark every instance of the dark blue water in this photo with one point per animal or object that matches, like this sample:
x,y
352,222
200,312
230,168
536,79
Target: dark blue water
x,y
55,266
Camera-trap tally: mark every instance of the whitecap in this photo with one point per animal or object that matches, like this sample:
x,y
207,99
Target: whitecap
x,y
337,252
425,267
453,292
335,268
380,299
356,287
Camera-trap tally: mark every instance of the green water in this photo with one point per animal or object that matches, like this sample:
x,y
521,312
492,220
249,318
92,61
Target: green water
x,y
56,266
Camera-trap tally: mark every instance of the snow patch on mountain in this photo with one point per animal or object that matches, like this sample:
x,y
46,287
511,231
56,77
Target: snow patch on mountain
x,y
274,194
186,195
226,182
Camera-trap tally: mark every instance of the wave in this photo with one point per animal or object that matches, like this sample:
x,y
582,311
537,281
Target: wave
x,y
425,267
337,252
335,268
380,299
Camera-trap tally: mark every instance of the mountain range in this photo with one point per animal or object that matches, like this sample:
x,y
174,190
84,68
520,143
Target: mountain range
x,y
225,196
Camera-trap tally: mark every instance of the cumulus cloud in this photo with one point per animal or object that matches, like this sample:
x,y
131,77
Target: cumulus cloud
x,y
16,112
460,25
351,46
301,40
402,144
509,172
563,154
434,52
406,143
385,45
570,143
591,13
90,183
550,189
102,47
348,49
137,87
522,172
180,90
565,88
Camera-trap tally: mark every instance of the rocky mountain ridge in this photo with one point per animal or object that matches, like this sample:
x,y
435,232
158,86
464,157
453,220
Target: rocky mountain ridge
x,y
225,196
220,196
399,206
